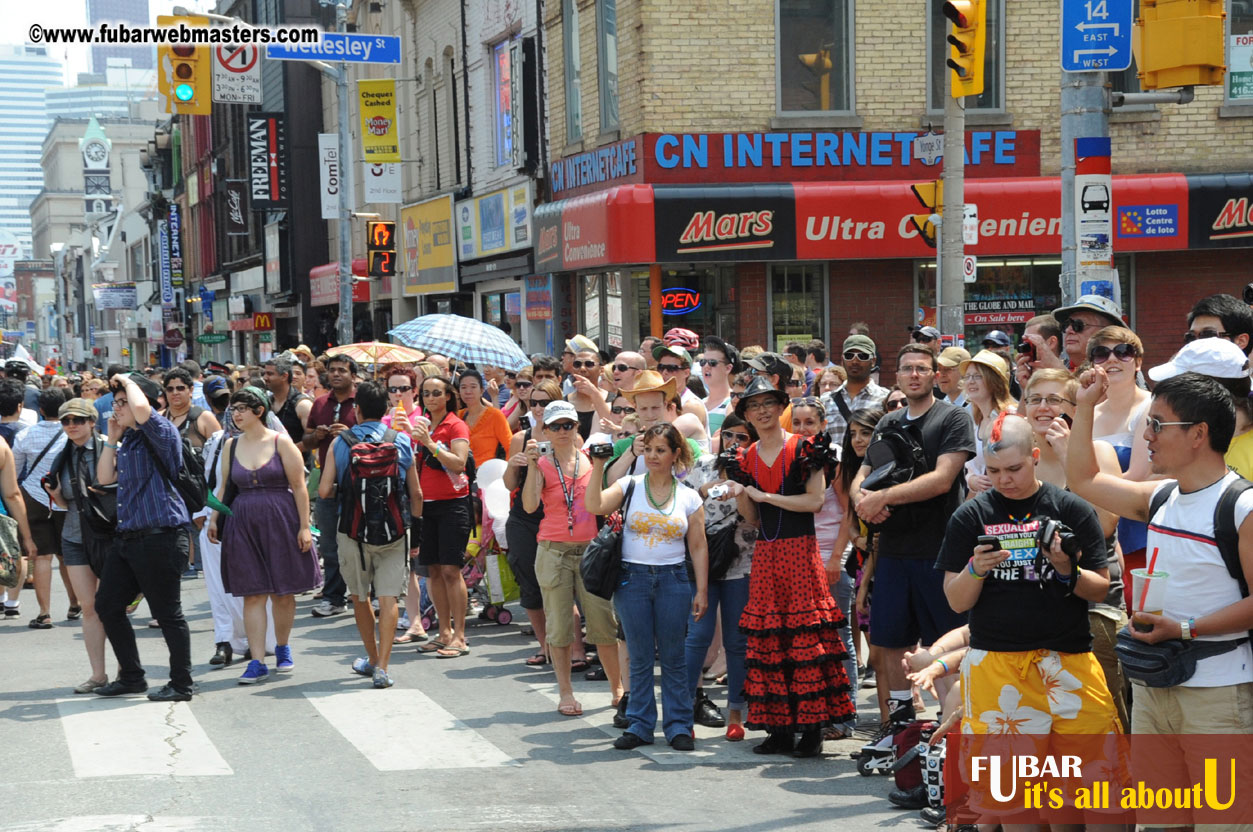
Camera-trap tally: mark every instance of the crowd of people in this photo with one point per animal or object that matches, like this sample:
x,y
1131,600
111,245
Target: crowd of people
x,y
789,527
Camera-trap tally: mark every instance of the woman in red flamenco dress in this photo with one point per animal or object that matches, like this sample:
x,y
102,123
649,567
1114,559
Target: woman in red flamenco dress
x,y
796,681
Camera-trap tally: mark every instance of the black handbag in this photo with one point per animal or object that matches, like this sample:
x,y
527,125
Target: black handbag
x,y
602,558
1167,663
722,548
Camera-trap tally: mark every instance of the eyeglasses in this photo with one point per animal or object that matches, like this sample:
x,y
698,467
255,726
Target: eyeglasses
x,y
523,385
404,389
857,355
118,402
762,404
625,368
1075,325
1189,337
795,382
977,377
562,426
241,408
711,362
1051,401
75,420
433,394
893,404
735,437
179,389
584,365
1156,425
1123,352
540,403
669,368
915,370
620,410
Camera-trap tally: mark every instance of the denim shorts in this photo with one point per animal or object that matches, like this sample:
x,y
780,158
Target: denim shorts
x,y
74,554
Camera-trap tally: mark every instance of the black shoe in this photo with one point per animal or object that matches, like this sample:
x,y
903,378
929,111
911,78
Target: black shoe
x,y
915,798
620,718
596,674
628,741
224,654
810,744
118,687
934,815
707,712
169,693
682,742
779,742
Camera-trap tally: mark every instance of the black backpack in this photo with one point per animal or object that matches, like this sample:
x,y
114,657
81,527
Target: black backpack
x,y
1226,534
895,456
189,483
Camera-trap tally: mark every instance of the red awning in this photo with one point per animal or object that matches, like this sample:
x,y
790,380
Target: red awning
x,y
610,226
324,283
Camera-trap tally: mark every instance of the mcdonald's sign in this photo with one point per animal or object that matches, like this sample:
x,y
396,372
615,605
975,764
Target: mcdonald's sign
x,y
262,321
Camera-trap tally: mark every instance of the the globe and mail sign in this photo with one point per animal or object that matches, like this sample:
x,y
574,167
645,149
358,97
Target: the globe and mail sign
x,y
1096,35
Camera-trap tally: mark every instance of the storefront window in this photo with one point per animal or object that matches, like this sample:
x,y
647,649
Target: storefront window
x,y
504,310
699,299
797,303
1009,292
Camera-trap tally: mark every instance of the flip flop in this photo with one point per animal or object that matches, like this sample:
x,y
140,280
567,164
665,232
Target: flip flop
x,y
538,660
432,647
452,652
570,709
410,638
579,665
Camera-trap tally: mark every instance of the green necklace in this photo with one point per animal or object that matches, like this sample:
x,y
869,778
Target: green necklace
x,y
648,492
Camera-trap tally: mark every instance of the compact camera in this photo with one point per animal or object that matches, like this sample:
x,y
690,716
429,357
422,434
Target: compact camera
x,y
601,450
1050,527
545,448
1028,349
718,491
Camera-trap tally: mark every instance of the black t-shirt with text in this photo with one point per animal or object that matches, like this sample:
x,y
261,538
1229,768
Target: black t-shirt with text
x,y
944,429
1014,612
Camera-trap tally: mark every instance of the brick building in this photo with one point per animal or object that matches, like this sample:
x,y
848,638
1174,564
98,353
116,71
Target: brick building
x,y
695,141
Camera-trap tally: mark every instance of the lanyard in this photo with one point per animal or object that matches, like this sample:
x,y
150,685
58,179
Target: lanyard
x,y
568,493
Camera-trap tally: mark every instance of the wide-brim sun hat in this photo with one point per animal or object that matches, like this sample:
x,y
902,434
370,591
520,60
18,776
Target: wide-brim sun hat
x,y
759,387
988,359
651,381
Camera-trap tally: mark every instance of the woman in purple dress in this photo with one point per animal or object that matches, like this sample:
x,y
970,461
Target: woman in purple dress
x,y
267,548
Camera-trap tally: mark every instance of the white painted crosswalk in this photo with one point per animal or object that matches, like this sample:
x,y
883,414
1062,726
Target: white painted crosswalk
x,y
120,737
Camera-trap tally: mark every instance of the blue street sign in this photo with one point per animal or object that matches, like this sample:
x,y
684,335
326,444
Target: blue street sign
x,y
341,46
1096,35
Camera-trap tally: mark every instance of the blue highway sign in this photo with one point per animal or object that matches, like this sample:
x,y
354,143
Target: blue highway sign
x,y
1096,35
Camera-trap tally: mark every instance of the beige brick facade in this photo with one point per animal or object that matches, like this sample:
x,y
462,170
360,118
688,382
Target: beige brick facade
x,y
710,66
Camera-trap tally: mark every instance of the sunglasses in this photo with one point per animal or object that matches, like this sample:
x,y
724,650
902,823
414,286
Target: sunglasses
x,y
433,394
523,385
735,437
75,420
922,339
894,404
1076,325
711,362
795,382
620,410
584,365
1156,425
178,389
669,368
540,402
562,426
857,355
1123,352
624,368
1189,337
511,376
404,389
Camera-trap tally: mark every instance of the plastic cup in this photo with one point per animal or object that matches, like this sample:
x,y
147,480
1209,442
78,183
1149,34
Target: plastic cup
x,y
1148,594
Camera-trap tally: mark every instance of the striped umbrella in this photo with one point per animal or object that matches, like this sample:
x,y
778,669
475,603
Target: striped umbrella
x,y
377,352
464,339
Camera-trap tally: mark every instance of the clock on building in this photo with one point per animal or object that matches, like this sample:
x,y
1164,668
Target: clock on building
x,y
95,152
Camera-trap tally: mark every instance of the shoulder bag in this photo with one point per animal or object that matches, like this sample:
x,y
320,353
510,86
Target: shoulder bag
x,y
602,558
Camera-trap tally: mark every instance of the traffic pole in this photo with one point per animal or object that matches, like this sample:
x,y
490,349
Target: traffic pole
x,y
1085,114
345,189
951,316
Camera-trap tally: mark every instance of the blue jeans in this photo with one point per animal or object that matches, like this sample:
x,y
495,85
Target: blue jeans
x,y
844,599
326,516
728,599
653,604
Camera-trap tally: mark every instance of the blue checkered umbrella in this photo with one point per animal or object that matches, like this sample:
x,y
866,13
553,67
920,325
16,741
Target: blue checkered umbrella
x,y
464,339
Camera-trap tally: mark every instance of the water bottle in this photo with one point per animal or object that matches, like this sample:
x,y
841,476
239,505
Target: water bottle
x,y
459,480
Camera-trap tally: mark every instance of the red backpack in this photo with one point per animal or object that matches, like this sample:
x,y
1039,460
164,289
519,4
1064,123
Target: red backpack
x,y
372,510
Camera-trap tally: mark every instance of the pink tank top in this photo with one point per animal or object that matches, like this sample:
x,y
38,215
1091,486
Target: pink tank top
x,y
555,524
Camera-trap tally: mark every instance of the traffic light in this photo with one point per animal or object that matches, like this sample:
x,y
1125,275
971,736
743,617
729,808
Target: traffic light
x,y
969,40
931,195
184,73
380,244
1179,43
820,63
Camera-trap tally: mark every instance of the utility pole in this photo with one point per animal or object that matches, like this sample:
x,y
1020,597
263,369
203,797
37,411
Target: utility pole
x,y
1085,114
346,192
950,287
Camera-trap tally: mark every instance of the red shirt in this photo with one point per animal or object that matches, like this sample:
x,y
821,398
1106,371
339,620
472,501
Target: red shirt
x,y
327,410
435,482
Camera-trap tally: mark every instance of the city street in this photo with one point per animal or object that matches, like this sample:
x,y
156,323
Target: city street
x,y
457,744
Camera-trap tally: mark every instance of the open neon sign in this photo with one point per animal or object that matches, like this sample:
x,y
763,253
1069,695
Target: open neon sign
x,y
679,301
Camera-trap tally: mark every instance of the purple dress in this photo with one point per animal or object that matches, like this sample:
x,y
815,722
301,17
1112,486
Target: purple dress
x,y
260,553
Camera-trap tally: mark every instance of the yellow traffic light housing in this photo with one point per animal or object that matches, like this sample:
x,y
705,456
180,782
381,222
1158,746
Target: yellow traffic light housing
x,y
382,264
931,195
184,73
380,244
1179,43
820,63
968,40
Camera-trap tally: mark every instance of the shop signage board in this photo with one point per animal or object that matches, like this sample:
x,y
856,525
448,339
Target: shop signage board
x,y
381,184
267,160
1220,210
495,223
999,310
379,134
352,47
163,257
236,207
212,338
539,298
176,245
756,222
1240,67
329,173
430,253
1096,35
1092,209
114,295
679,301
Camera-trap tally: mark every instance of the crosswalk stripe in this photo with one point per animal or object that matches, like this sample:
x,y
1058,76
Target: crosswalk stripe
x,y
120,737
403,730
122,823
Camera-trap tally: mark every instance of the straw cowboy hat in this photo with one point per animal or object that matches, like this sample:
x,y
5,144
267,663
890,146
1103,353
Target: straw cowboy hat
x,y
650,381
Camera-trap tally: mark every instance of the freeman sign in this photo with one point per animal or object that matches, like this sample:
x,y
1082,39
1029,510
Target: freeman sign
x,y
267,160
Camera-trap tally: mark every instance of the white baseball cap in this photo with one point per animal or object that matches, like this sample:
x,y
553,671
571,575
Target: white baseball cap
x,y
558,411
1213,357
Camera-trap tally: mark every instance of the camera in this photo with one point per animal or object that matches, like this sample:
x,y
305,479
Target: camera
x,y
1050,527
49,481
601,450
1028,349
718,490
545,448
1248,294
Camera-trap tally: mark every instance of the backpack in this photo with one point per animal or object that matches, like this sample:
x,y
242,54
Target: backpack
x,y
372,510
96,504
1226,534
895,456
189,483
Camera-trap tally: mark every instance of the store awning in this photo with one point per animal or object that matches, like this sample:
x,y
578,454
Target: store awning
x,y
324,283
613,226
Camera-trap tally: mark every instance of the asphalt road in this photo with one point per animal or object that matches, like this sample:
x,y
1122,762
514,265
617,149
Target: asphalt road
x,y
458,744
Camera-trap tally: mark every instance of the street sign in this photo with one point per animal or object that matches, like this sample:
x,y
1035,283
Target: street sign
x,y
970,267
237,74
970,225
173,339
1096,35
352,47
929,148
212,338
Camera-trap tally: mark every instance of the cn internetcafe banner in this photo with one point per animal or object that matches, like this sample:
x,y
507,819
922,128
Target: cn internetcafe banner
x,y
379,136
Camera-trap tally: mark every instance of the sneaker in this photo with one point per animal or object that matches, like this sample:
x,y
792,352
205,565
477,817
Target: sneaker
x,y
255,673
381,679
628,741
403,623
326,609
12,610
282,656
168,693
117,688
363,666
683,742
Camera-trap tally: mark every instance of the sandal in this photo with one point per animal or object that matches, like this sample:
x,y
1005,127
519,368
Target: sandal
x,y
43,621
579,665
74,613
432,647
571,708
133,605
452,652
410,638
835,732
538,660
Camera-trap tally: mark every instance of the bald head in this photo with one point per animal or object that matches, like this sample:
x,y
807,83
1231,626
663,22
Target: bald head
x,y
634,364
631,359
1009,432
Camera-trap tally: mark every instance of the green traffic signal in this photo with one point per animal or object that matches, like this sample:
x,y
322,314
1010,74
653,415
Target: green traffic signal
x,y
184,92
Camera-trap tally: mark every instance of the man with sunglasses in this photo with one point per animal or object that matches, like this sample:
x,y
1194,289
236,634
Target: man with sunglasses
x,y
329,416
718,364
587,397
34,451
625,369
676,362
858,391
927,336
1221,316
1080,321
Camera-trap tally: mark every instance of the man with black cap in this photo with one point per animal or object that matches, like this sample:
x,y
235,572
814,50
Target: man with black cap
x,y
928,336
154,546
720,362
860,360
777,370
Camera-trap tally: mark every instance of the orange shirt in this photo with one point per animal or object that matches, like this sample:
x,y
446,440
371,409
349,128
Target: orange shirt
x,y
488,433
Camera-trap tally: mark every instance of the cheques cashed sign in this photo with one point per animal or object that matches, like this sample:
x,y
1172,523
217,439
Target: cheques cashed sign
x,y
750,222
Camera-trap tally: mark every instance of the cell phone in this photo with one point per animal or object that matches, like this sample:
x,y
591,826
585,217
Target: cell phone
x,y
989,540
1069,421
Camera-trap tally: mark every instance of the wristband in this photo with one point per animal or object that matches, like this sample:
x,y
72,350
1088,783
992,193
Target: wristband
x,y
941,663
970,567
107,445
1067,580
